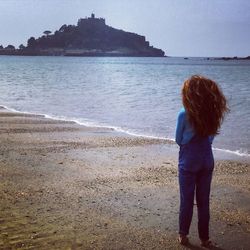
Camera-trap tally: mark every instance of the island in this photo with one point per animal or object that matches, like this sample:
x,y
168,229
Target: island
x,y
90,37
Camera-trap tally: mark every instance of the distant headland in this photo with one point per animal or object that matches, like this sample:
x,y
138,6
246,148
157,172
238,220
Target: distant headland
x,y
90,37
234,58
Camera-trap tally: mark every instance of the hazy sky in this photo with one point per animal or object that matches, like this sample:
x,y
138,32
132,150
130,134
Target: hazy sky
x,y
179,27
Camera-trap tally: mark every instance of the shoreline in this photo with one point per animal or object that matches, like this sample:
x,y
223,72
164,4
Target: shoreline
x,y
67,186
220,153
107,54
79,53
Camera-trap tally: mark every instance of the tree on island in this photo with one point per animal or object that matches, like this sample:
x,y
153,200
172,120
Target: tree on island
x,y
10,47
63,27
47,32
31,42
21,46
1,46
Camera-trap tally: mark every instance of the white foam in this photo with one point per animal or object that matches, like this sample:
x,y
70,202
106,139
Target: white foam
x,y
13,110
236,152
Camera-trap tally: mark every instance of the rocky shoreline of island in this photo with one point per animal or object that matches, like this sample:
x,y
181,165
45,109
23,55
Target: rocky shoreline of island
x,y
233,58
76,53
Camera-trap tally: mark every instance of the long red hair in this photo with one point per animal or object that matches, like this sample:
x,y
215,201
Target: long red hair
x,y
205,105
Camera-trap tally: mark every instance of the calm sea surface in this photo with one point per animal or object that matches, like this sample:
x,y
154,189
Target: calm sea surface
x,y
139,96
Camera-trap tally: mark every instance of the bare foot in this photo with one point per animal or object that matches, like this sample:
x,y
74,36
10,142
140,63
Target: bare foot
x,y
183,240
206,243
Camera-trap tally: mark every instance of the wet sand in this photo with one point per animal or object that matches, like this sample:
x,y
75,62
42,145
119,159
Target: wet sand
x,y
66,186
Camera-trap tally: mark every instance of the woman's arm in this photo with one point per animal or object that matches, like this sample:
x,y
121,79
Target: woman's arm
x,y
211,138
180,127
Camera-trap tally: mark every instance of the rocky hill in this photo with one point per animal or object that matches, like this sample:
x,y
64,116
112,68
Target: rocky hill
x,y
90,37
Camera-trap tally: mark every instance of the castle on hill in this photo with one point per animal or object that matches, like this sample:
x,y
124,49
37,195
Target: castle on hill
x,y
91,20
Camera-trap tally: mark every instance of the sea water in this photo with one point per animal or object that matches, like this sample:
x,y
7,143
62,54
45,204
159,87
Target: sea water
x,y
138,96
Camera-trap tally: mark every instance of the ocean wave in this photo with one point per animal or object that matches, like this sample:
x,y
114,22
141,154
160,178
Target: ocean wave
x,y
239,152
94,124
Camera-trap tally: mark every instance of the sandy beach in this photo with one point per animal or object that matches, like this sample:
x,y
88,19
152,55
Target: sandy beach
x,y
66,186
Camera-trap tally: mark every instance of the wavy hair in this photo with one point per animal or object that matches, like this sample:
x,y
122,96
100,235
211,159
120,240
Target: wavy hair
x,y
205,105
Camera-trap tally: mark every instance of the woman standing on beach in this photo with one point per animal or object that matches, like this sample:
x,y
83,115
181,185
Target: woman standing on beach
x,y
198,122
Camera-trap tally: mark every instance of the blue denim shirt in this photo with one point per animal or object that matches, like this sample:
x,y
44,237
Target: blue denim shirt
x,y
184,131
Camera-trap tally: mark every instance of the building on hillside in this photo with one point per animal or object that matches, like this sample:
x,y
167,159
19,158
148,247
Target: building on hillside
x,y
91,20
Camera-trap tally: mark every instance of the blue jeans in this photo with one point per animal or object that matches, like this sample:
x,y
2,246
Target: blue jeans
x,y
196,165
